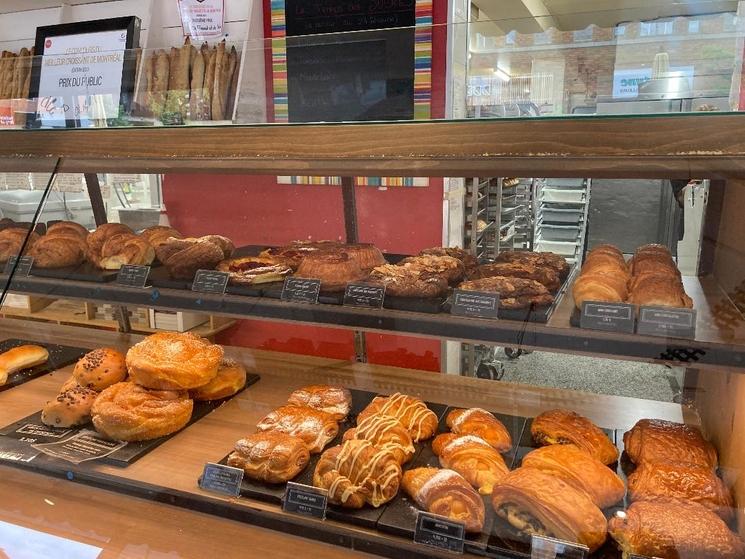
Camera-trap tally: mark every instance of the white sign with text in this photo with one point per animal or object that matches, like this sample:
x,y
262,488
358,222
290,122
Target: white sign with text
x,y
202,19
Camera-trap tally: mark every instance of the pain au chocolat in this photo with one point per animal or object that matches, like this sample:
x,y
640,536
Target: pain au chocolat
x,y
561,426
657,440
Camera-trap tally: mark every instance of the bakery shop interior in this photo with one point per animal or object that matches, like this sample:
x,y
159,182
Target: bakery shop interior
x,y
405,279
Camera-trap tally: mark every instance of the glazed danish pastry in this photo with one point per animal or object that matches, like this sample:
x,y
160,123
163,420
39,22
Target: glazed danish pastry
x,y
412,412
566,427
316,428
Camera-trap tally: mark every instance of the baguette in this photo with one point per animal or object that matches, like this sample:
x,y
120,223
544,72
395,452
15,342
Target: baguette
x,y
178,81
197,84
21,357
22,68
220,89
232,82
210,57
161,72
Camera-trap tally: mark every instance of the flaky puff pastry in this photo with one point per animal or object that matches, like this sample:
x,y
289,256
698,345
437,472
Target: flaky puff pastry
x,y
128,412
566,427
446,493
536,502
686,482
412,412
674,530
386,433
356,472
315,427
472,457
335,400
273,457
656,440
173,361
483,424
230,379
580,470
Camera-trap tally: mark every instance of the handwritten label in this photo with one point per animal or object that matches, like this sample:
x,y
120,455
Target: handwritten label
x,y
131,275
202,19
210,281
363,295
668,322
550,548
13,450
301,290
305,500
439,531
22,269
219,478
475,303
610,317
82,446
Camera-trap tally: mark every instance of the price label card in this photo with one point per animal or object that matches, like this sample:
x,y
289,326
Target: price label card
x,y
219,478
133,276
611,317
438,531
668,322
82,446
475,303
550,548
301,290
210,281
13,450
305,500
363,295
23,269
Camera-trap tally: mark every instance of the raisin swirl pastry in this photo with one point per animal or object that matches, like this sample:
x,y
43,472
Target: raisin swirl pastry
x,y
386,433
420,421
272,457
315,427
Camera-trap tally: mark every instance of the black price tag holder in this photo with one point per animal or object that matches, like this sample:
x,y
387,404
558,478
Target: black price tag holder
x,y
301,290
23,269
440,532
667,322
210,281
219,478
542,547
475,304
609,317
364,295
305,500
131,275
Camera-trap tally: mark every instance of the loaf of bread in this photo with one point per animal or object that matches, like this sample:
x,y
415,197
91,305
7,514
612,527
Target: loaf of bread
x,y
19,358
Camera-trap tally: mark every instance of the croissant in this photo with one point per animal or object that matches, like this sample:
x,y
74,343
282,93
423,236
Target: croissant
x,y
656,440
605,263
12,239
580,470
67,228
335,400
356,472
612,250
446,493
475,421
59,250
685,482
316,428
671,529
96,240
659,290
598,286
566,427
473,458
125,248
536,502
412,412
273,457
386,433
159,234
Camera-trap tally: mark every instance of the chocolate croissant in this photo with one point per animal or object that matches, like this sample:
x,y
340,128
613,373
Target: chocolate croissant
x,y
473,458
356,472
412,412
386,433
316,428
475,421
536,502
580,470
656,440
446,493
273,457
566,427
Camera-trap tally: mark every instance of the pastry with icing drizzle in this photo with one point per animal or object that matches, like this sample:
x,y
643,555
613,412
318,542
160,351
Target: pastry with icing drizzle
x,y
420,421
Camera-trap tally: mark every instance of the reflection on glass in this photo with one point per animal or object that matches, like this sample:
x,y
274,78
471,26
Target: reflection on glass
x,y
17,542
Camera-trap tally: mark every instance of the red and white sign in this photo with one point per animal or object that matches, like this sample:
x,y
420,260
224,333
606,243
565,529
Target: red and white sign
x,y
202,19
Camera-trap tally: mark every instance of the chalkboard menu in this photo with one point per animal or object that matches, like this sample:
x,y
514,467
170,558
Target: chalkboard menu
x,y
342,66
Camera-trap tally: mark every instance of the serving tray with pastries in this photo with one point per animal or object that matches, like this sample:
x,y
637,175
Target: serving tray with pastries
x,y
23,360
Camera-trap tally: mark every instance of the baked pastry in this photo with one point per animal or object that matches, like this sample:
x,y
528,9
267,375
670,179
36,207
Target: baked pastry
x,y
183,257
19,358
674,530
412,412
230,378
125,248
409,281
272,457
546,276
541,259
601,287
608,249
59,250
366,255
661,291
684,482
446,493
96,240
356,473
335,270
469,260
657,440
386,433
67,228
580,470
566,427
605,263
69,408
129,412
12,239
514,293
294,252
452,269
173,361
473,458
159,234
335,400
536,502
254,270
653,248
100,368
315,427
483,424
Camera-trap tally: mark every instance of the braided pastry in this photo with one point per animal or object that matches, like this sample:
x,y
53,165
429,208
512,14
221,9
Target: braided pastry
x,y
316,428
